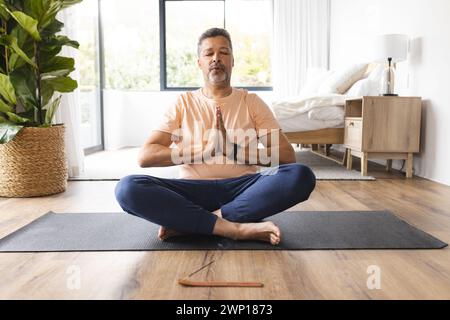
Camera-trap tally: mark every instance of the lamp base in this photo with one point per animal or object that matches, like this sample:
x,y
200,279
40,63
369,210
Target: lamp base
x,y
389,95
388,80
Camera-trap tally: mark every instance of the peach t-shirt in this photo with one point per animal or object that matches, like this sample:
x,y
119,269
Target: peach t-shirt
x,y
193,113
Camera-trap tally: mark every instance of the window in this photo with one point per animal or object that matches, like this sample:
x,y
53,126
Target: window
x,y
249,23
131,44
151,45
183,27
87,64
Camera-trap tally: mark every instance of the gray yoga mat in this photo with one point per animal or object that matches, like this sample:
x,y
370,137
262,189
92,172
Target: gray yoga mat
x,y
301,230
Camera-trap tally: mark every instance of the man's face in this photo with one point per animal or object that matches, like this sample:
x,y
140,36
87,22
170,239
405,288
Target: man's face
x,y
216,61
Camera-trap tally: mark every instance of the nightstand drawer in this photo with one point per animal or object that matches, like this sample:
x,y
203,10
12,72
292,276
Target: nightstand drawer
x,y
353,133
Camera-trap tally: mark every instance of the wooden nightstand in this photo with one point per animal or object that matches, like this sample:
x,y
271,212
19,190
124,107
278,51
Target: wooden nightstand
x,y
382,128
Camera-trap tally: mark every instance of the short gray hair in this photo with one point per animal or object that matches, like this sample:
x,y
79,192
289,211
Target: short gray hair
x,y
211,33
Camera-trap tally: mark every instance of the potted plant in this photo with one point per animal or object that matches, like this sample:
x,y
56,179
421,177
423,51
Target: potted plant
x,y
32,77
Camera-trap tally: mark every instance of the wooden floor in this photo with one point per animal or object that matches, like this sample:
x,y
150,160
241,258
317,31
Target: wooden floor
x,y
405,274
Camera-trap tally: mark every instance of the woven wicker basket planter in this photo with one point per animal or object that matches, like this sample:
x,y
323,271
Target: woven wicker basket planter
x,y
34,163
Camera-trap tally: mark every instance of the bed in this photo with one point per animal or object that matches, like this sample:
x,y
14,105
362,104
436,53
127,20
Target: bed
x,y
316,120
316,117
302,130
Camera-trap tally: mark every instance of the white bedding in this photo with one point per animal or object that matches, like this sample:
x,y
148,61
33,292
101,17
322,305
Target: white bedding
x,y
316,109
310,113
327,113
302,122
288,109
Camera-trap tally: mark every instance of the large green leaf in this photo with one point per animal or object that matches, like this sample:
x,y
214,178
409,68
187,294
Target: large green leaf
x,y
52,28
4,107
58,63
31,114
26,22
36,8
65,41
47,92
26,44
7,89
24,40
8,130
14,61
50,47
68,3
51,109
62,84
11,42
50,13
57,73
3,13
16,119
24,83
49,52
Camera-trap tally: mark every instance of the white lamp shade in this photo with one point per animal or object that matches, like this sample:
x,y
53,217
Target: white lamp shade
x,y
393,46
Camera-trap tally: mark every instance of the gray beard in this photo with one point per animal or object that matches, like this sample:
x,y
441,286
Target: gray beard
x,y
217,77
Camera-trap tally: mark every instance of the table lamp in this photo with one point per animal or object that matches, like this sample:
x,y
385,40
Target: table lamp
x,y
393,48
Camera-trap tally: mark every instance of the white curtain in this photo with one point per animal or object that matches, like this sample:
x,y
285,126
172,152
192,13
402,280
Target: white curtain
x,y
301,41
69,110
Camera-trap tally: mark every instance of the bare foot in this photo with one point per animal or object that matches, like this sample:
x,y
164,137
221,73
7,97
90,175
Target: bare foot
x,y
264,231
165,233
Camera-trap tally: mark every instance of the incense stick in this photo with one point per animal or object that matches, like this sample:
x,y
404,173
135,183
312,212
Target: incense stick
x,y
191,283
201,268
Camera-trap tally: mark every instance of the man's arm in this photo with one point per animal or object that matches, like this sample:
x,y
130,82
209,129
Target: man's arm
x,y
156,151
274,148
285,149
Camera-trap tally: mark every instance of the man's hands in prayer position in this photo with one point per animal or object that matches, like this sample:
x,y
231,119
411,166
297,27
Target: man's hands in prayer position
x,y
277,148
226,147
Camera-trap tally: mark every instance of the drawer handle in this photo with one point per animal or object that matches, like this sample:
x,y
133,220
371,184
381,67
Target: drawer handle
x,y
351,124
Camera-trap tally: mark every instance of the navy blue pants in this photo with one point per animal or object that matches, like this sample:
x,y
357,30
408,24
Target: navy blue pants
x,y
186,205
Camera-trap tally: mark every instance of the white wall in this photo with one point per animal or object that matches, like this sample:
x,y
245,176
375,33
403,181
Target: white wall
x,y
129,116
425,74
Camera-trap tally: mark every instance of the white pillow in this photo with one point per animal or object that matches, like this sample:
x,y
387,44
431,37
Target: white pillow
x,y
376,73
364,87
315,78
341,80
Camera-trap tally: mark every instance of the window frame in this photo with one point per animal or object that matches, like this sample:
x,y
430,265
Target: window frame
x,y
163,52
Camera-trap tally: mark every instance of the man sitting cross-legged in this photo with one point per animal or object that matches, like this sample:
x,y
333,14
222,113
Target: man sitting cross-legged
x,y
216,130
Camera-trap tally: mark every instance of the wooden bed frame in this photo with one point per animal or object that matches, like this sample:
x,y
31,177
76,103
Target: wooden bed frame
x,y
315,138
